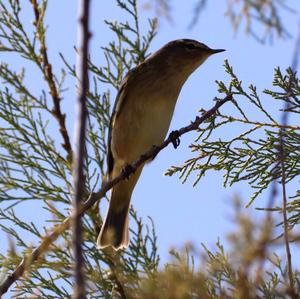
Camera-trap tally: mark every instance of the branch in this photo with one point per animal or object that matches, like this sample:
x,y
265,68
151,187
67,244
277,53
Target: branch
x,y
260,124
94,197
47,71
80,153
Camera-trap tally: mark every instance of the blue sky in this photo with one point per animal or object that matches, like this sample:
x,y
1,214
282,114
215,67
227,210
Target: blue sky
x,y
181,213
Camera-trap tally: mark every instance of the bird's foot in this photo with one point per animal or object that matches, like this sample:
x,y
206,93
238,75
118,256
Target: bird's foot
x,y
127,171
174,135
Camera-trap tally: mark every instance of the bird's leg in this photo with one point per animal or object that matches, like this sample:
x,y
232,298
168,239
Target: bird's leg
x,y
174,135
127,171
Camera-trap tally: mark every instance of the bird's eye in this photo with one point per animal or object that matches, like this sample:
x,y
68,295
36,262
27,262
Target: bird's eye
x,y
191,46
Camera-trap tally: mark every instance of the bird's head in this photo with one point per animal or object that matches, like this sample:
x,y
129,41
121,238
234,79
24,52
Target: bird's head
x,y
184,54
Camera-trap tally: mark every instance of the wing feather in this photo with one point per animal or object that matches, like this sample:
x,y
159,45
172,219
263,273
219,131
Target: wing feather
x,y
119,103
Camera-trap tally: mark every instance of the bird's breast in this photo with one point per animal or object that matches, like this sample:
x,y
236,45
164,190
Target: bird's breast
x,y
143,122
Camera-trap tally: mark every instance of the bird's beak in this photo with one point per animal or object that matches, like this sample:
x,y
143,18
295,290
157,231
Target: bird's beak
x,y
215,51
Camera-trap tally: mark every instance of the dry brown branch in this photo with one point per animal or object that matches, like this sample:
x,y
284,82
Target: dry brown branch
x,y
80,153
49,77
94,197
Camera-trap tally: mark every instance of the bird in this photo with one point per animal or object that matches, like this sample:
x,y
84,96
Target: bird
x,y
141,117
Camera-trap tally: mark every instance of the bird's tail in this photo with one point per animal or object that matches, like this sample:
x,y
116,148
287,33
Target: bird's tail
x,y
115,229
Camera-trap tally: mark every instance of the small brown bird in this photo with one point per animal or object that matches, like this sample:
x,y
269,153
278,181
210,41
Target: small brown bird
x,y
141,118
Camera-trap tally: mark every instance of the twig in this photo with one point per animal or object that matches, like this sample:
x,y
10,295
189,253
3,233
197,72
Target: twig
x,y
47,70
94,197
79,152
260,124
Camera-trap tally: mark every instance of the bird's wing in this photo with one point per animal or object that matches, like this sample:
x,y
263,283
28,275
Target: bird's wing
x,y
119,103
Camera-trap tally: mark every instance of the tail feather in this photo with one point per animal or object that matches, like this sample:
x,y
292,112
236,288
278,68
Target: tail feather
x,y
115,228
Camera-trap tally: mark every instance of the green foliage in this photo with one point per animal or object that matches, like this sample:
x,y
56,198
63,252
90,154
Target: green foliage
x,y
252,154
130,49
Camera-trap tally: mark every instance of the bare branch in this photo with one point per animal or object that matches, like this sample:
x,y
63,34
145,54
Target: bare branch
x,y
28,260
80,153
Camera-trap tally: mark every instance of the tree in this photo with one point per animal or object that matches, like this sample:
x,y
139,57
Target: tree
x,y
37,168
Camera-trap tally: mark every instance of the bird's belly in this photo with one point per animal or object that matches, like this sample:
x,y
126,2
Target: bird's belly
x,y
156,125
144,125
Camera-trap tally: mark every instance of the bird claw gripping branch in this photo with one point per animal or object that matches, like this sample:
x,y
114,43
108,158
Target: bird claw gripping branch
x,y
174,135
127,171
